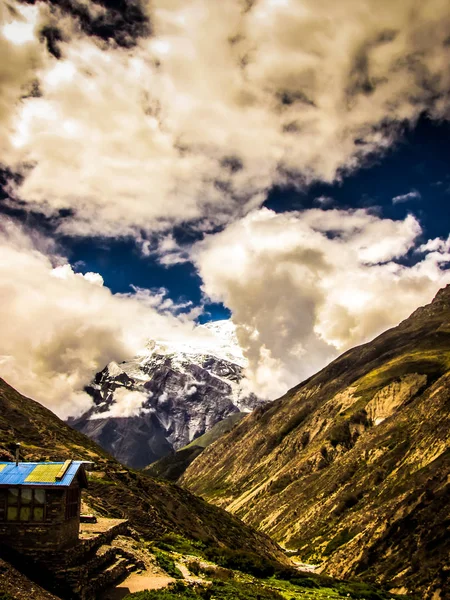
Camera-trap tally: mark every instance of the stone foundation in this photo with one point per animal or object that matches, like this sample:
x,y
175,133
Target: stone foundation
x,y
83,570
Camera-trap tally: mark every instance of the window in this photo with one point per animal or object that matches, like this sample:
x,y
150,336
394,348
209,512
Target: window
x,y
25,504
72,502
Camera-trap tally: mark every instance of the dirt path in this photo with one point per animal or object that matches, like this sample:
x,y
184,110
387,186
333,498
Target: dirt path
x,y
137,583
187,576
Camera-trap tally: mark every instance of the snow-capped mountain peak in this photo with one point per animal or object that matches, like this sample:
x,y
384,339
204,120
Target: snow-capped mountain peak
x,y
216,338
167,395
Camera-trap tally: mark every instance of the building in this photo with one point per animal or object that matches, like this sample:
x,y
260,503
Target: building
x,y
40,504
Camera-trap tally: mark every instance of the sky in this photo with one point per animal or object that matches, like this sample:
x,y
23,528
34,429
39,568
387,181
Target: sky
x,y
280,163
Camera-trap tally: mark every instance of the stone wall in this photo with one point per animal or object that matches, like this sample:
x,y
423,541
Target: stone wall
x,y
80,572
54,533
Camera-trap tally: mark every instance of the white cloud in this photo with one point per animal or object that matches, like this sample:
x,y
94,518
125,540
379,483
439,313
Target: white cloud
x,y
305,286
197,123
323,201
59,327
199,120
126,403
437,251
412,195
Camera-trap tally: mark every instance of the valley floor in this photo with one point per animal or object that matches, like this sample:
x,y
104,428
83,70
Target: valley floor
x,y
137,582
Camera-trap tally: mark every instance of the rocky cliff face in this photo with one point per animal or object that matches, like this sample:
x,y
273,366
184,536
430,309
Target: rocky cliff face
x,y
164,398
351,468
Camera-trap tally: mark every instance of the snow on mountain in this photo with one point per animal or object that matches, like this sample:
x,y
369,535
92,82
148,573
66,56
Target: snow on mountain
x,y
217,338
167,395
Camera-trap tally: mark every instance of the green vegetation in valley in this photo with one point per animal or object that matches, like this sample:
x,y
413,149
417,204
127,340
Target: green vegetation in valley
x,y
240,575
219,590
246,562
270,589
167,564
339,540
173,542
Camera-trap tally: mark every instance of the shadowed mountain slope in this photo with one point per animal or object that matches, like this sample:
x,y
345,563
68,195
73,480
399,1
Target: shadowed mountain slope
x,y
351,468
154,508
173,466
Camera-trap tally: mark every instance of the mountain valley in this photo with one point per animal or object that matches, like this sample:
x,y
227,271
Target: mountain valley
x,y
202,549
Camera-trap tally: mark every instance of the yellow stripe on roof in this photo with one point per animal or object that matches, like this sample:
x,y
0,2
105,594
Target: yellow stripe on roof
x,y
43,474
2,467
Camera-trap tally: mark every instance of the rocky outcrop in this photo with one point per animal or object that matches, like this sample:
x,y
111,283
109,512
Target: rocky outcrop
x,y
391,397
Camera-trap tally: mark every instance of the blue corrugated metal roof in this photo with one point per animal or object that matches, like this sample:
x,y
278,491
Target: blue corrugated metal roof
x,y
22,474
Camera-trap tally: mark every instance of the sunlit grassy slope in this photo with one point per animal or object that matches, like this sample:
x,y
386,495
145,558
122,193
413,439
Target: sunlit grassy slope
x,y
351,467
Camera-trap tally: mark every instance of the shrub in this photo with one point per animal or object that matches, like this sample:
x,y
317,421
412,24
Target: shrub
x,y
194,567
240,560
306,582
360,418
347,474
174,542
167,564
281,483
340,435
325,458
240,591
172,592
218,573
348,501
360,591
304,440
293,423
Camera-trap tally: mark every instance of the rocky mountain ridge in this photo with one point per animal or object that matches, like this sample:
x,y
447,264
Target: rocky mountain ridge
x,y
161,400
350,469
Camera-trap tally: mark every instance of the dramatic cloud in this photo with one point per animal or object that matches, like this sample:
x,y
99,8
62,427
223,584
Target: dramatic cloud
x,y
305,286
412,195
438,248
21,57
137,128
134,119
59,327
